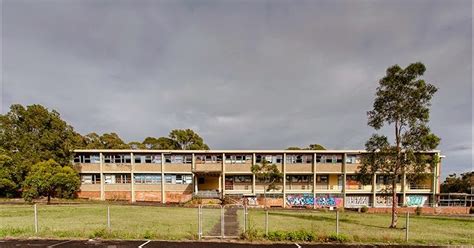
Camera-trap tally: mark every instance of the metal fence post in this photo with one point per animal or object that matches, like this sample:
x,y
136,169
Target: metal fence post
x,y
222,222
108,216
245,219
266,222
199,222
407,225
36,219
337,222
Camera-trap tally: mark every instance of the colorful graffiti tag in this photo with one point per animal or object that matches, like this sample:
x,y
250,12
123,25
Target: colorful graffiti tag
x,y
383,201
304,200
416,200
357,201
300,200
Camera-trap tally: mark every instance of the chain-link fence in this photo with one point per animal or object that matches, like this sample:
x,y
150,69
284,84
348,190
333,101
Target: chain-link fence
x,y
228,221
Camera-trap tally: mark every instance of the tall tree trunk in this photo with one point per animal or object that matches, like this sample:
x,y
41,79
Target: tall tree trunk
x,y
49,198
394,205
395,172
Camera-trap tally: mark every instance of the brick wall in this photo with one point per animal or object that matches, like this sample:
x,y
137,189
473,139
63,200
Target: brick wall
x,y
93,195
425,210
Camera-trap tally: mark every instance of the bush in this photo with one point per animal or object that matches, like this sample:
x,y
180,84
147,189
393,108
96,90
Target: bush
x,y
301,235
471,210
418,211
341,238
364,209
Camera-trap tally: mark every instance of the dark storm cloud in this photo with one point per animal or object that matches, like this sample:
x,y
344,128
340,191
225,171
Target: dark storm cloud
x,y
244,74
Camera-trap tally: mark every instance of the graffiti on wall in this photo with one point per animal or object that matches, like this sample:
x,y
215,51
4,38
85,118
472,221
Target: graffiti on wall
x,y
383,200
300,200
416,200
252,201
304,200
357,201
328,201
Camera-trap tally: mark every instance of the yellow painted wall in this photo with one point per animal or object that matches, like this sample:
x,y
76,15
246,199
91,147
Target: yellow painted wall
x,y
210,183
333,180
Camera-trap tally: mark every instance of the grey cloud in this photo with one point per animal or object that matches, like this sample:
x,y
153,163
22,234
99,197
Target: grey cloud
x,y
244,74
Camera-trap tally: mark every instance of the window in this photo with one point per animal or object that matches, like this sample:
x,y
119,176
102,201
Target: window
x,y
188,159
90,178
87,158
169,179
147,178
322,179
117,178
184,179
351,159
243,179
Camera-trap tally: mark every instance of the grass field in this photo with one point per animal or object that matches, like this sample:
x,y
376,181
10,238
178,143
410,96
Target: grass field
x,y
176,223
90,221
367,228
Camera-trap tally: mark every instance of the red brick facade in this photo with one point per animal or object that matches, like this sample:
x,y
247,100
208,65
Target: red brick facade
x,y
425,210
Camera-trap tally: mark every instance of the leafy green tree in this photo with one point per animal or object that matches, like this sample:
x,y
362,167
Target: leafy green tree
x,y
310,147
50,179
187,139
161,143
315,147
8,182
32,134
269,174
461,184
136,145
104,141
403,103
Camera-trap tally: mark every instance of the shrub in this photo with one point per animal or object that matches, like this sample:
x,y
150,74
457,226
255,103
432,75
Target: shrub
x,y
341,238
471,210
301,235
418,211
364,209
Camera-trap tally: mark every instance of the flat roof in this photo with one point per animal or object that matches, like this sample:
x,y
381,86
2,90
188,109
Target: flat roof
x,y
223,151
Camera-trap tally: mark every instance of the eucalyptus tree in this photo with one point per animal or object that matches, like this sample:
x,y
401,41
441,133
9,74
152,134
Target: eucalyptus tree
x,y
402,104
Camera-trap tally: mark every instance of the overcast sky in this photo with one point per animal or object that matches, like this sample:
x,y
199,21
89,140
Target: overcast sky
x,y
243,74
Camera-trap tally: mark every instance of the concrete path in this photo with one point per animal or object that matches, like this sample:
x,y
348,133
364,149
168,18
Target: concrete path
x,y
231,224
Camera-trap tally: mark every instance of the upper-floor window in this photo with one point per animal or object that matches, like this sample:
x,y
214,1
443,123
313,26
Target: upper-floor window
x,y
178,159
117,158
208,159
299,178
299,159
147,158
273,159
237,159
352,159
329,158
87,158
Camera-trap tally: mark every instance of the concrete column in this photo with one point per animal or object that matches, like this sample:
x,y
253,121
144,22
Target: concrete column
x,y
374,188
435,184
220,185
102,178
344,177
132,179
193,169
222,180
284,180
253,175
314,179
195,180
163,193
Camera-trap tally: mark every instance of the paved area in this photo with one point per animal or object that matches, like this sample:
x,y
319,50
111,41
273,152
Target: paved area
x,y
163,244
231,224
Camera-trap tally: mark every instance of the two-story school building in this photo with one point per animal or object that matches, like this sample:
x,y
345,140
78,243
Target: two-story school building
x,y
322,178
